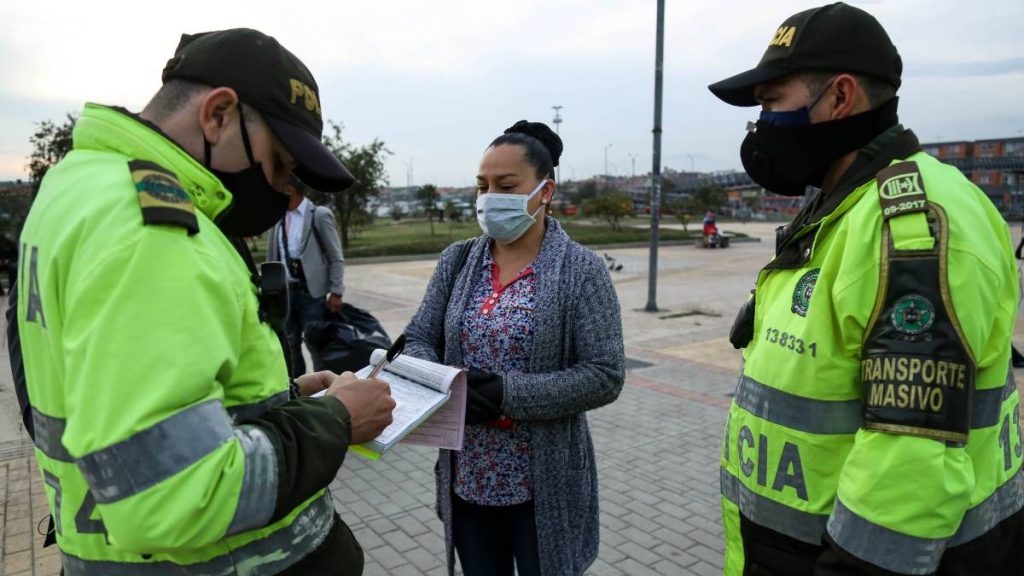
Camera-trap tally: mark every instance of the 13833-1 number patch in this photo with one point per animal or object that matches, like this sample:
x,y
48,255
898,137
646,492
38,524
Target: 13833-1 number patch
x,y
791,342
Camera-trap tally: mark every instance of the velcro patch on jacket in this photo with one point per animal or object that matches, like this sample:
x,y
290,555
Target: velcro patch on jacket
x,y
161,196
917,369
901,190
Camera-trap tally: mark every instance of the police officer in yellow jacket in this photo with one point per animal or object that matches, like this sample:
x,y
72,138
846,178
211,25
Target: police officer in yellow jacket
x,y
160,399
875,428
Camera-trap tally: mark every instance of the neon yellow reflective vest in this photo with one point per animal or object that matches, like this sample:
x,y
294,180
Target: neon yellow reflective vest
x,y
876,402
142,347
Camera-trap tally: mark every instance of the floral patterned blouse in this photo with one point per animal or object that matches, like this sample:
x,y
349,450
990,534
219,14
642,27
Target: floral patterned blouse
x,y
493,467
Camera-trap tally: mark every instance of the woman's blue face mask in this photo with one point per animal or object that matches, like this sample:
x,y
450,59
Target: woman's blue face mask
x,y
505,217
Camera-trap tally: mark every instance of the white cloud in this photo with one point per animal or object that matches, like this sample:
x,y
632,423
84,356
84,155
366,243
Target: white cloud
x,y
437,80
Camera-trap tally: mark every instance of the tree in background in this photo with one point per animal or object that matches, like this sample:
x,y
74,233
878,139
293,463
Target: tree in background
x,y
613,205
709,198
396,211
583,192
15,202
452,214
668,186
428,197
50,143
682,208
360,220
366,163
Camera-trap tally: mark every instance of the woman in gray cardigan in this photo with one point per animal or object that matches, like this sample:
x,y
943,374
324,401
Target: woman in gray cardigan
x,y
535,318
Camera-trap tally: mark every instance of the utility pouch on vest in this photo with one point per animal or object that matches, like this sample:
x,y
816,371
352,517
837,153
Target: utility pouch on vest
x,y
742,331
273,294
916,367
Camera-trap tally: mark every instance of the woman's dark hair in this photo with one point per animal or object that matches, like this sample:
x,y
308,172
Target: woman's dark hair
x,y
543,147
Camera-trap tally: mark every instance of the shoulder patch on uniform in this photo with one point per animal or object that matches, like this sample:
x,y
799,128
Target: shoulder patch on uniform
x,y
901,189
803,291
161,196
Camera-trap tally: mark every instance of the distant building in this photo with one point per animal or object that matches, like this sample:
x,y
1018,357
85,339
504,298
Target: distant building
x,y
996,166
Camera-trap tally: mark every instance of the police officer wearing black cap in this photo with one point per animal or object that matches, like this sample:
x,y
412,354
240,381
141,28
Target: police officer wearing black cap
x,y
875,428
166,428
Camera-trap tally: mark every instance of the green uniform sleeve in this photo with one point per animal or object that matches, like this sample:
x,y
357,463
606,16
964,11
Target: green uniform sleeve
x,y
153,331
310,437
910,477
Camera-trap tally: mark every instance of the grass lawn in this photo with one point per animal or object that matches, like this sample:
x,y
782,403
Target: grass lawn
x,y
412,236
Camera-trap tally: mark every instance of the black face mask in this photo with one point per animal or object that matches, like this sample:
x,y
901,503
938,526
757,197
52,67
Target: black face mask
x,y
255,205
785,160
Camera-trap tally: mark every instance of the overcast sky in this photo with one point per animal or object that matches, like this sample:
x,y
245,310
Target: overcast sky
x,y
437,80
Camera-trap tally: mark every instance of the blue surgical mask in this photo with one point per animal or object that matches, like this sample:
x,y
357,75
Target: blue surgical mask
x,y
505,217
793,118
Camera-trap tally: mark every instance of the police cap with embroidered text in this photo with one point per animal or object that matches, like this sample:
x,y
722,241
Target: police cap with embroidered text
x,y
836,37
272,80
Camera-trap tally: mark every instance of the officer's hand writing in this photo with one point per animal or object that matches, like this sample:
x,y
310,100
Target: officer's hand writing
x,y
310,384
368,401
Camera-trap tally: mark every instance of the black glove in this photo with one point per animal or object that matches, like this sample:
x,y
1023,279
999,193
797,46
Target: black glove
x,y
742,331
485,394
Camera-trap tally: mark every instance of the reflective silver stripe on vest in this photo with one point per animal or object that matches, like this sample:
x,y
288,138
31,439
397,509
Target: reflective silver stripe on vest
x,y
157,453
49,432
243,412
271,555
803,526
844,416
1006,501
883,547
912,555
259,481
988,404
797,412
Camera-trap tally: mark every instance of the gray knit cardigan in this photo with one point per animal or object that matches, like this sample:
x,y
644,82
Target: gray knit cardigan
x,y
576,364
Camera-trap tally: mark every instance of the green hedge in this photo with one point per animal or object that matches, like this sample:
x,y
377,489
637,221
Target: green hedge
x,y
408,237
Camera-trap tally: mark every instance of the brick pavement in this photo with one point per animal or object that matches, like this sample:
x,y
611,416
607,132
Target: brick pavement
x,y
657,446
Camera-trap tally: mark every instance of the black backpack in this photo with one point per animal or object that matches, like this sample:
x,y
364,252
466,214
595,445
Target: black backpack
x,y
343,342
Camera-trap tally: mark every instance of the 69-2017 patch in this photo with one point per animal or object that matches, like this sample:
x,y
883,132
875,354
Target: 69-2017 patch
x,y
802,292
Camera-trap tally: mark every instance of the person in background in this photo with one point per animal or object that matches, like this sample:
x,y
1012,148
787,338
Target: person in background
x,y
535,318
306,240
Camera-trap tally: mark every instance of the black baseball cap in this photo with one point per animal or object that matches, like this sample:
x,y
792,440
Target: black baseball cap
x,y
272,80
836,37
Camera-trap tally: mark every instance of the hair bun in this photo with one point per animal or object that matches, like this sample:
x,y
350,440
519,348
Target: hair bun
x,y
541,132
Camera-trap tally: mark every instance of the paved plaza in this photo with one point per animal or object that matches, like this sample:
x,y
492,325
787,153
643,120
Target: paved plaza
x,y
657,446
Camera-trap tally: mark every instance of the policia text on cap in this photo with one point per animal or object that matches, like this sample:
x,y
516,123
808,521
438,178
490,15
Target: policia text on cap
x,y
160,398
874,429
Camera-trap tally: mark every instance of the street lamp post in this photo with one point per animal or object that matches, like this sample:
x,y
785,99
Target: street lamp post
x,y
632,157
606,161
652,267
558,122
690,156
